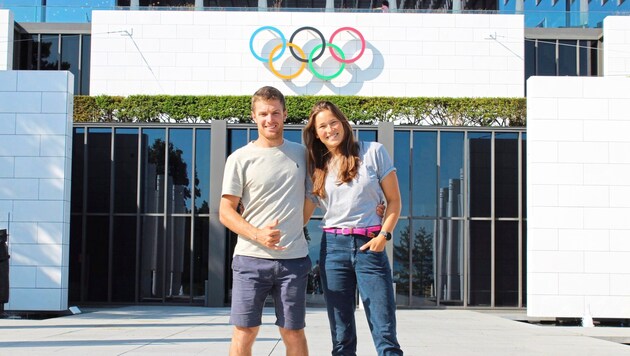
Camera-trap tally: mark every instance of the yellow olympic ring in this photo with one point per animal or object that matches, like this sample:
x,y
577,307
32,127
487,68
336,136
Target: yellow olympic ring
x,y
278,74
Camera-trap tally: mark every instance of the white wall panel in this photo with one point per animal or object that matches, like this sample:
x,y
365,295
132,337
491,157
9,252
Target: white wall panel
x,y
617,34
6,40
581,117
209,53
36,146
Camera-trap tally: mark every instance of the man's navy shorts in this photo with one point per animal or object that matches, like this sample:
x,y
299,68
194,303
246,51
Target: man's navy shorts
x,y
256,278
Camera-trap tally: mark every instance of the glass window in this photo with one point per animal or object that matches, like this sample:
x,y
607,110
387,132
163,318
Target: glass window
x,y
451,174
152,256
567,57
75,262
480,263
524,259
152,164
423,263
70,57
293,135
202,171
177,252
29,52
368,135
49,52
506,175
424,174
402,262
506,263
78,157
96,258
479,173
530,58
180,170
402,164
200,258
85,66
524,173
126,170
451,261
124,257
546,59
237,138
98,169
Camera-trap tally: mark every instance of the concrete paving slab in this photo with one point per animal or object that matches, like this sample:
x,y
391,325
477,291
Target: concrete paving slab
x,y
175,330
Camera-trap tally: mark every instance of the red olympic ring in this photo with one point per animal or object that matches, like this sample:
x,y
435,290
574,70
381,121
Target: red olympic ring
x,y
351,60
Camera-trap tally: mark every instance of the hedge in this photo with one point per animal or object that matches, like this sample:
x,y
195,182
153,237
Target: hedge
x,y
360,110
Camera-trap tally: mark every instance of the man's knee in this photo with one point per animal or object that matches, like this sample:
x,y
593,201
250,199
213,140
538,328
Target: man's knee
x,y
291,336
245,335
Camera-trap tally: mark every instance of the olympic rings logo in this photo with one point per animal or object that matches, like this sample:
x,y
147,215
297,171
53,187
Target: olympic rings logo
x,y
335,51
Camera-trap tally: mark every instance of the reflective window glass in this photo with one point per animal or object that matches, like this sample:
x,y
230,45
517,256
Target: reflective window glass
x,y
177,252
49,52
237,138
152,170
368,135
506,263
78,157
524,173
402,163
75,262
402,262
200,258
480,265
98,169
506,174
124,257
546,59
524,265
152,258
424,266
70,57
451,174
180,170
479,173
125,170
530,58
451,261
424,174
96,258
293,135
567,57
202,171
85,65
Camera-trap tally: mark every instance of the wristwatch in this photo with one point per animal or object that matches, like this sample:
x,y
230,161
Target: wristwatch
x,y
388,235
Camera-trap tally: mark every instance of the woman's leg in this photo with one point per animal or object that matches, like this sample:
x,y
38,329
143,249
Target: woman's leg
x,y
376,290
339,286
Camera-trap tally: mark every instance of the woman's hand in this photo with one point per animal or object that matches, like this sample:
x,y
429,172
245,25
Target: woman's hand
x,y
376,244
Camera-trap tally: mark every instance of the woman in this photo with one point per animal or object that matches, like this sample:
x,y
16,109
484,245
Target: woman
x,y
349,179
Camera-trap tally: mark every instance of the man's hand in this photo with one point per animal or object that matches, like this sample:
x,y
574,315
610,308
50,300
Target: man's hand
x,y
380,209
269,236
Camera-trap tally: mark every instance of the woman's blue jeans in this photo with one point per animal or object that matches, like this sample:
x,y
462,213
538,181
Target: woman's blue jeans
x,y
344,268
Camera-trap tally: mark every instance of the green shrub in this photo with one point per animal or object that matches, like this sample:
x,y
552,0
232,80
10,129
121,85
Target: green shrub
x,y
361,110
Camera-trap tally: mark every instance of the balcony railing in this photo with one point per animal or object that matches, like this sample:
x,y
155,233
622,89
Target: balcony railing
x,y
83,14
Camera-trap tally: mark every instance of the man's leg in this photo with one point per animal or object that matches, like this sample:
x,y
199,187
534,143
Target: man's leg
x,y
243,340
295,342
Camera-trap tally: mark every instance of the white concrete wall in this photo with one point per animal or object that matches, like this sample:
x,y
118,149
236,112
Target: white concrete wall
x,y
6,39
616,34
206,52
35,172
578,197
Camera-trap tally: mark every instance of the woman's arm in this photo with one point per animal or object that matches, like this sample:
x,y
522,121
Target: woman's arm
x,y
392,195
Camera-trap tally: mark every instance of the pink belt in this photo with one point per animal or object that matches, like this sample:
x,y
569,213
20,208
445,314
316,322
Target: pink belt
x,y
370,231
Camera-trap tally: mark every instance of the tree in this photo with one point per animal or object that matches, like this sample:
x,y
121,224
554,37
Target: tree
x,y
421,269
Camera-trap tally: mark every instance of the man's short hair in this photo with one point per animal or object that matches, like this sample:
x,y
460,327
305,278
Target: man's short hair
x,y
268,93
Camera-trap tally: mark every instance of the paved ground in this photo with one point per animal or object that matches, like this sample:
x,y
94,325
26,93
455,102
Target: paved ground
x,y
172,330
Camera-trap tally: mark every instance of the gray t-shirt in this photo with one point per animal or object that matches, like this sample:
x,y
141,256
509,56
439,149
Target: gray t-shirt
x,y
271,183
354,204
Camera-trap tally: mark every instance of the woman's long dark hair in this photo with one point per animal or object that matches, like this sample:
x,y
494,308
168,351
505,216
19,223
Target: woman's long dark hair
x,y
318,155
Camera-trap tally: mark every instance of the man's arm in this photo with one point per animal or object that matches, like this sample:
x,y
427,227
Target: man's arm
x,y
268,236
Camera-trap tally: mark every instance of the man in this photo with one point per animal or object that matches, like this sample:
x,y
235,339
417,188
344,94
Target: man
x,y
271,256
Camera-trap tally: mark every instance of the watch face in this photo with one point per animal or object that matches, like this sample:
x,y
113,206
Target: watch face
x,y
388,235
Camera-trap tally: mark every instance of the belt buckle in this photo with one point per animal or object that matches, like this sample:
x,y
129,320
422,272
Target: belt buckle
x,y
346,231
